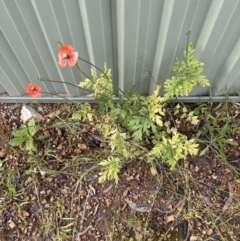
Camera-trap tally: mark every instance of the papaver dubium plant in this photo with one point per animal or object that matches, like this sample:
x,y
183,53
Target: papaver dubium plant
x,y
126,124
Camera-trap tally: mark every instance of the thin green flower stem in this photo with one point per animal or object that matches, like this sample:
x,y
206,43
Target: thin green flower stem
x,y
78,123
83,72
151,76
101,72
52,94
188,35
94,66
64,82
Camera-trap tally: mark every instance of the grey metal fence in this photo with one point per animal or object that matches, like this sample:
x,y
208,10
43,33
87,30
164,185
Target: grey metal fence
x,y
131,36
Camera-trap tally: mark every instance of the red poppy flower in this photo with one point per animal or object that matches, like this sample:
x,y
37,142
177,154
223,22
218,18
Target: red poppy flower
x,y
33,90
67,54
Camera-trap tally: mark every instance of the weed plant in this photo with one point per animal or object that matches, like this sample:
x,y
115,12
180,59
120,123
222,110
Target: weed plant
x,y
135,126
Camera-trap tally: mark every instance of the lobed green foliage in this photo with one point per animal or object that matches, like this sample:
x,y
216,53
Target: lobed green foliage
x,y
25,136
110,169
85,112
173,148
102,87
188,75
136,120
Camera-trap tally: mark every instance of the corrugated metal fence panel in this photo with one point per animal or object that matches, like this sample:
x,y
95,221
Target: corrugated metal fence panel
x,y
29,34
131,36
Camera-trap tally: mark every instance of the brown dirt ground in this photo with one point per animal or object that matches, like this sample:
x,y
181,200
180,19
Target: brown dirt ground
x,y
58,197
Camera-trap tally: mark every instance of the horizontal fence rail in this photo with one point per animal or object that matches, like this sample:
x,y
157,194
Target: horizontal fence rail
x,y
134,37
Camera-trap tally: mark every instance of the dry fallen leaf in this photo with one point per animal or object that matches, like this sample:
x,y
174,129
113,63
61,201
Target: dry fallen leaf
x,y
230,198
134,206
84,231
153,171
169,218
109,188
125,193
12,225
208,202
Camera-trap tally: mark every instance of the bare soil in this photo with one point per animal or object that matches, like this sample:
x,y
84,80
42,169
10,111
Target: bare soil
x,y
57,196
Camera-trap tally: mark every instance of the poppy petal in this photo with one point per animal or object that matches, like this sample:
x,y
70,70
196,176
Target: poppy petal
x,y
33,90
62,62
67,54
73,59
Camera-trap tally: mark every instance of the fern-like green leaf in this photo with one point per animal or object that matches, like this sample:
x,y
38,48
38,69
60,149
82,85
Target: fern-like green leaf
x,y
101,85
188,75
172,149
110,169
84,113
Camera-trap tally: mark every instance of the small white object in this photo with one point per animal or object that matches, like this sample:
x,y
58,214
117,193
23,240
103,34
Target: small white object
x,y
42,172
28,113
